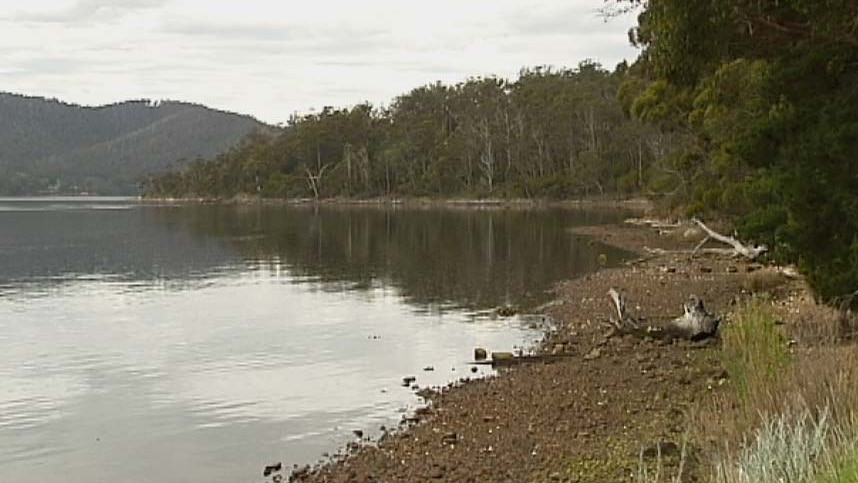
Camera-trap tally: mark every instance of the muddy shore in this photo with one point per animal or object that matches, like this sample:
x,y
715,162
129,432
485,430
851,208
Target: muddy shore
x,y
599,407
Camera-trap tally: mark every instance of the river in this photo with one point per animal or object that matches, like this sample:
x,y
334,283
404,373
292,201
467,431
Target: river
x,y
189,343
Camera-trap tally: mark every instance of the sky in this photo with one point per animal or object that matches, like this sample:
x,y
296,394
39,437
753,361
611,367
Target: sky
x,y
271,59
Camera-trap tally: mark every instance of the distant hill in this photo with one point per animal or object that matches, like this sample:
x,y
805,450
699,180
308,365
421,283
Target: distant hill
x,y
48,146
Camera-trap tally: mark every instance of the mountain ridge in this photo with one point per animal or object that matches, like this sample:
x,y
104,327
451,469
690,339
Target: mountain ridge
x,y
51,146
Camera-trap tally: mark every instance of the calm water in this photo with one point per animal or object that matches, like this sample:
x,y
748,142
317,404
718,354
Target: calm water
x,y
198,343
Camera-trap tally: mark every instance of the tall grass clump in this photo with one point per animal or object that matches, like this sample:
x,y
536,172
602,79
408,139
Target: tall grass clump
x,y
786,449
786,416
802,448
755,356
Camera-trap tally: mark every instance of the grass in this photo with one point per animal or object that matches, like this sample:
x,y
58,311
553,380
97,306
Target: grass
x,y
847,472
785,449
754,353
787,416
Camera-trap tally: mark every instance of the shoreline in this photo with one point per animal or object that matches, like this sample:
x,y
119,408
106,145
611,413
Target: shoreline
x,y
594,406
636,203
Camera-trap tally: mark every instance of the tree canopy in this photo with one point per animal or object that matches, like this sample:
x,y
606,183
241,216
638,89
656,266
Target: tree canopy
x,y
557,133
768,92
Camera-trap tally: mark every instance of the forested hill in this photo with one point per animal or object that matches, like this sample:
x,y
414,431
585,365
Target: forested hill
x,y
550,134
47,146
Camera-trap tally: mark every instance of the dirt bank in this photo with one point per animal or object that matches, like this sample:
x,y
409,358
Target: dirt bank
x,y
596,411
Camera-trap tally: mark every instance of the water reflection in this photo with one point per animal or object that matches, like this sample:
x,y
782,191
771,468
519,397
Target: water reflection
x,y
198,343
458,257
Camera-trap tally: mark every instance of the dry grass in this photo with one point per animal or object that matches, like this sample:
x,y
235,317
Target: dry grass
x,y
787,415
656,472
764,280
811,324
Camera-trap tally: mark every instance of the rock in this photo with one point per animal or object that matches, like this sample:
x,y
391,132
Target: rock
x,y
502,357
300,473
428,368
506,311
358,433
272,469
474,369
593,354
408,380
480,354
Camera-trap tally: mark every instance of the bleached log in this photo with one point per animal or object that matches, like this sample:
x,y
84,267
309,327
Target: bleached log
x,y
695,323
740,249
624,321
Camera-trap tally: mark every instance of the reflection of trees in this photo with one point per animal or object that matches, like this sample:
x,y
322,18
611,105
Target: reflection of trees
x,y
53,245
467,258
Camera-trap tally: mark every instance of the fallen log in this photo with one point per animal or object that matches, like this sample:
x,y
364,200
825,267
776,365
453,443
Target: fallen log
x,y
695,323
739,248
624,321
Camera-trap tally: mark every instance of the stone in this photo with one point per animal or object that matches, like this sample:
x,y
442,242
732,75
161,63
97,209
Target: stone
x,y
502,356
506,311
593,354
408,380
480,354
272,469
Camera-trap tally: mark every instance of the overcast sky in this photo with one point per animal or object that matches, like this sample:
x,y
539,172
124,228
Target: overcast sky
x,y
271,58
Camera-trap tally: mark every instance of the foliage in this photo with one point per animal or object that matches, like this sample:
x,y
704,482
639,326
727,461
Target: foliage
x,y
766,93
552,133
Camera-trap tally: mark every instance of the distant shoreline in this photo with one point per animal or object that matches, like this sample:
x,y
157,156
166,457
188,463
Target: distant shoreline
x,y
632,203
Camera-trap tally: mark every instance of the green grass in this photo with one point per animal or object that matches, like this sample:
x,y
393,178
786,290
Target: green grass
x,y
845,472
754,353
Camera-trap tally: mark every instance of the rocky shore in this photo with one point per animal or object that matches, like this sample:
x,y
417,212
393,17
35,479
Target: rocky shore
x,y
602,407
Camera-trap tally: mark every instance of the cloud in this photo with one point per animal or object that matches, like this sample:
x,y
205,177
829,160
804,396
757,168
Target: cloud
x,y
575,19
272,58
85,11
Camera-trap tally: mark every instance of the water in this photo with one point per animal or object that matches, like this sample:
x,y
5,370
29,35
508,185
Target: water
x,y
198,343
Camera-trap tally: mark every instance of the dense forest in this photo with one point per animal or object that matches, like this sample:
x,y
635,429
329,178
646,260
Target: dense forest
x,y
47,146
550,134
767,93
739,110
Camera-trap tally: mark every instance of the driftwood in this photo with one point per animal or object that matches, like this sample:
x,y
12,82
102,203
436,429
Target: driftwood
x,y
739,248
624,321
695,323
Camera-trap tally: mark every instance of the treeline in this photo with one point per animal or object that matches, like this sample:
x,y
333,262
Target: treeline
x,y
550,134
767,93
